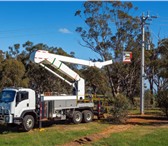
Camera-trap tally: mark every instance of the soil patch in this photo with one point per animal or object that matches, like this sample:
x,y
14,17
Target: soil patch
x,y
94,137
147,120
132,121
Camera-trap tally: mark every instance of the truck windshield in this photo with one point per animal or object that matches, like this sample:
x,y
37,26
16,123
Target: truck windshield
x,y
7,96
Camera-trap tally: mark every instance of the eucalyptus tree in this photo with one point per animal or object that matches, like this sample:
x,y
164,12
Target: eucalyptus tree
x,y
12,71
109,30
13,74
156,66
95,80
161,79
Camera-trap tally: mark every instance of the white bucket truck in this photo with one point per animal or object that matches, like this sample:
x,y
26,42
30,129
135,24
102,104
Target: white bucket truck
x,y
25,107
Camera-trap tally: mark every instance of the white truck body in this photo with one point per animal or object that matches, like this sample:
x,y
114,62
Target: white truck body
x,y
18,103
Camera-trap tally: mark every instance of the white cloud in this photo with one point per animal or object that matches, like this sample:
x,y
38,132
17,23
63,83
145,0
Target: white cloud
x,y
64,30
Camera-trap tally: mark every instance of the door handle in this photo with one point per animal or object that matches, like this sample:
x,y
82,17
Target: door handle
x,y
27,104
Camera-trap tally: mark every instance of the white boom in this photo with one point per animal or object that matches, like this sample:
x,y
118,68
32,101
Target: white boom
x,y
44,57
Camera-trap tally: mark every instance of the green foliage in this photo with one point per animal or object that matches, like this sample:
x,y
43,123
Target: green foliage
x,y
126,76
162,99
149,99
119,108
100,17
13,74
95,78
156,66
1,56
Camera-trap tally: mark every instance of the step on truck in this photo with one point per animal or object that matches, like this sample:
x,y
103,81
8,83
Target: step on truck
x,y
26,107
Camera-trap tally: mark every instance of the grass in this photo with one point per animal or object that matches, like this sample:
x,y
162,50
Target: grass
x,y
139,136
51,136
57,134
155,112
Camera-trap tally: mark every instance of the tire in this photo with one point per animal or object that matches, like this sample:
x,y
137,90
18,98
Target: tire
x,y
87,116
28,123
77,117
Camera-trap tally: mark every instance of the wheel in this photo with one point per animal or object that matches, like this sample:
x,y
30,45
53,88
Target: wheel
x,y
28,123
77,117
87,116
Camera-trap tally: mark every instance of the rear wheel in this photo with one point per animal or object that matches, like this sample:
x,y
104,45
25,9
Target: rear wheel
x,y
87,116
28,123
77,117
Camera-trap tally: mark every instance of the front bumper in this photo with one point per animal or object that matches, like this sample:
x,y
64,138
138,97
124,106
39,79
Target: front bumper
x,y
6,119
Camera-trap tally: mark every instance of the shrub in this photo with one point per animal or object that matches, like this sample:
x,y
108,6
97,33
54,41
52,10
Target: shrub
x,y
119,108
162,99
149,99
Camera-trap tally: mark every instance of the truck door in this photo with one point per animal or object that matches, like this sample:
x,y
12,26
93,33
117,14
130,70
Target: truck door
x,y
22,103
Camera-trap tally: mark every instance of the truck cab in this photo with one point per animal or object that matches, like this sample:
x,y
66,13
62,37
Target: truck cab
x,y
15,104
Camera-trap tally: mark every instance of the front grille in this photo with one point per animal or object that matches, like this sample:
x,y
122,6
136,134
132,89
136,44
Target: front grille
x,y
4,111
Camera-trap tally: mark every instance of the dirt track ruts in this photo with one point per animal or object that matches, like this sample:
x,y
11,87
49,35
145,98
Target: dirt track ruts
x,y
97,136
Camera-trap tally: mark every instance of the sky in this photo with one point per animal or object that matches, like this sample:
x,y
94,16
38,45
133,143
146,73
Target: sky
x,y
53,23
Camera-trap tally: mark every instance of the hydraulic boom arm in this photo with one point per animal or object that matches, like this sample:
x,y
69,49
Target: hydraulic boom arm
x,y
44,57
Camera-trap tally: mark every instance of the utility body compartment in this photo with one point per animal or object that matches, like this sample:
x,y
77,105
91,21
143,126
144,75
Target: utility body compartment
x,y
55,106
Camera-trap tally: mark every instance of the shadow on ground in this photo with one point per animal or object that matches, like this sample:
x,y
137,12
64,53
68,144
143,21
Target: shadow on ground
x,y
4,129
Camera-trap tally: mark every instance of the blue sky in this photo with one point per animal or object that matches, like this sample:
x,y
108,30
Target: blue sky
x,y
54,24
